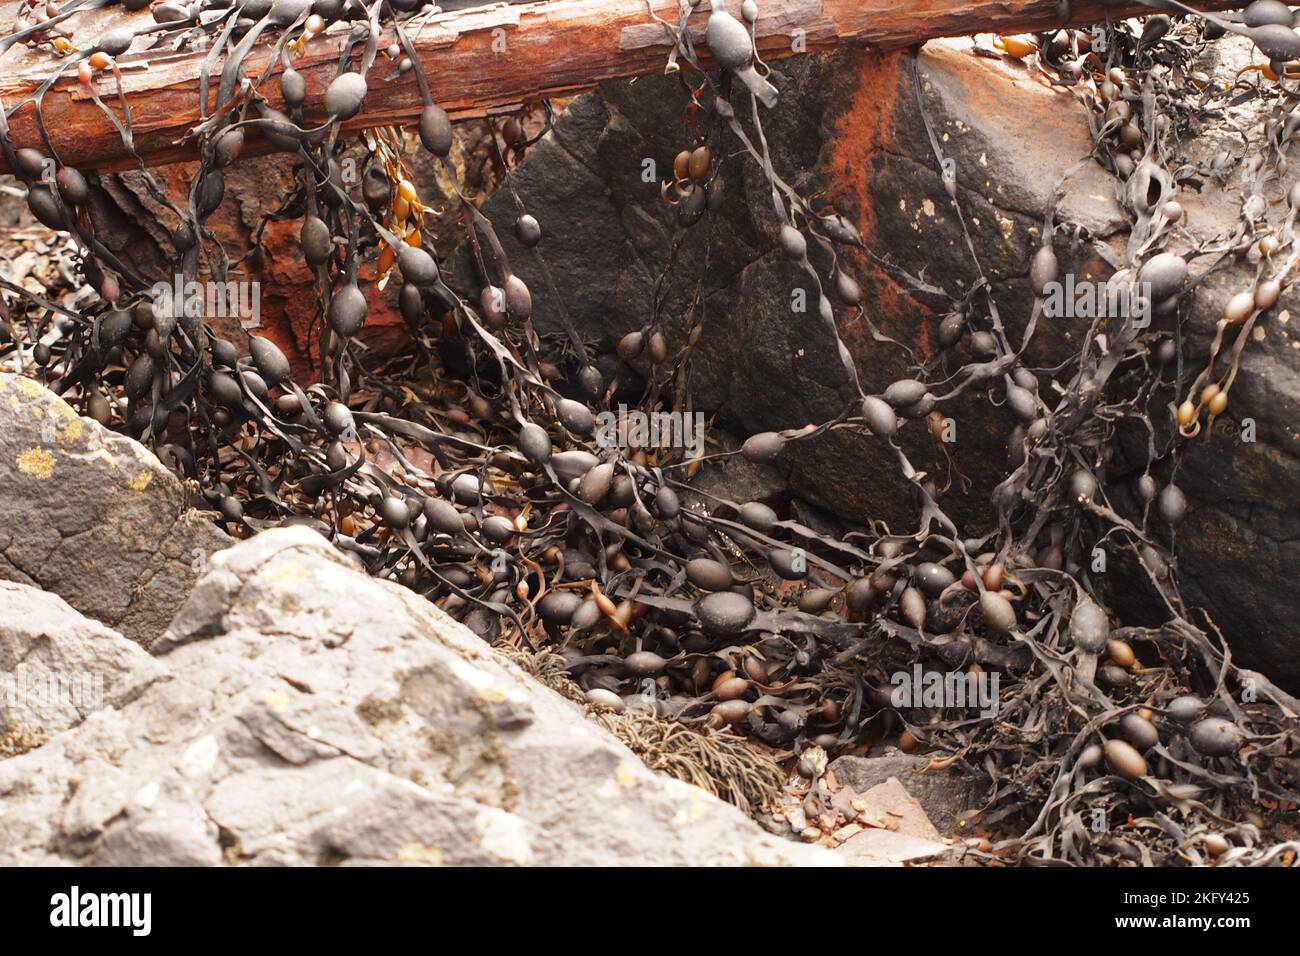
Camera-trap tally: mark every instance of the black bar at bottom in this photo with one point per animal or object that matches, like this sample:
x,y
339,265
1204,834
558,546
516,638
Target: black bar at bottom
x,y
339,904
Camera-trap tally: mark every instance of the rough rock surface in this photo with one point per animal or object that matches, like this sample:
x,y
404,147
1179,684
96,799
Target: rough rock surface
x,y
313,715
899,832
138,228
57,667
735,479
848,132
943,794
93,516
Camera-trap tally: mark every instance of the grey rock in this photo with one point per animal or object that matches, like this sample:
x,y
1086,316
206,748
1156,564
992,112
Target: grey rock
x,y
315,715
944,794
816,519
58,667
735,479
93,516
903,833
887,848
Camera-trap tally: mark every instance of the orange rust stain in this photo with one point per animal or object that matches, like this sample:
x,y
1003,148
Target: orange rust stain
x,y
290,298
865,127
1022,96
289,305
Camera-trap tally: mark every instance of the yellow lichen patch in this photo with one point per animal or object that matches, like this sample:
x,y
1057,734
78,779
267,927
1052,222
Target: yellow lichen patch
x,y
141,481
485,685
697,805
419,853
144,456
36,462
286,572
29,388
72,424
625,775
71,431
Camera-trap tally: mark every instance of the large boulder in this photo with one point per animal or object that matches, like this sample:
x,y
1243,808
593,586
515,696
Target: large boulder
x,y
93,516
848,131
314,715
58,667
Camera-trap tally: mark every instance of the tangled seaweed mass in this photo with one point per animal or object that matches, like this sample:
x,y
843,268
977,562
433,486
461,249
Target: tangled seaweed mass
x,y
515,518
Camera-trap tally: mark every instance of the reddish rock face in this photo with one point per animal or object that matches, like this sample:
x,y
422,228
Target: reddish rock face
x,y
867,128
257,188
289,306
